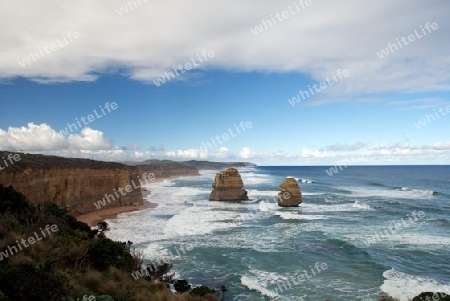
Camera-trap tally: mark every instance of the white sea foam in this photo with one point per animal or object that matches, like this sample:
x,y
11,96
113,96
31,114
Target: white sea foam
x,y
255,193
199,220
300,216
419,239
362,206
355,206
252,178
390,193
307,181
404,287
305,193
417,191
188,192
263,281
253,285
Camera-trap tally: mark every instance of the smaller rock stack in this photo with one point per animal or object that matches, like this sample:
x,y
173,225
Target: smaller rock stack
x,y
228,186
290,194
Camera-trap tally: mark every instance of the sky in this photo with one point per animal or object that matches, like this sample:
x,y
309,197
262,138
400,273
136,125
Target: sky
x,y
312,82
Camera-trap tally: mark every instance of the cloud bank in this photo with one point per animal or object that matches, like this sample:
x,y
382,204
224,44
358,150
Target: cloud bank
x,y
154,36
91,143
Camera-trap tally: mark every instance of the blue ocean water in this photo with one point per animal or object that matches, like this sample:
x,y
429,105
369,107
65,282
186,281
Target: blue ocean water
x,y
376,229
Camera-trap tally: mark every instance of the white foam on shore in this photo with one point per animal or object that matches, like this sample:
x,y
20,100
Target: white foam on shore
x,y
404,287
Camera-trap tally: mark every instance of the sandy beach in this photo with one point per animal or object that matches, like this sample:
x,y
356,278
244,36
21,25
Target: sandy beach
x,y
94,217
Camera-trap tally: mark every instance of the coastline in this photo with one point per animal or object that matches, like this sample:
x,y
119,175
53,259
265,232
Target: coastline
x,y
94,217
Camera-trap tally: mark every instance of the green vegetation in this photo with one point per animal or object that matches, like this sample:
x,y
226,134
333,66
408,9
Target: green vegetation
x,y
201,291
71,263
429,296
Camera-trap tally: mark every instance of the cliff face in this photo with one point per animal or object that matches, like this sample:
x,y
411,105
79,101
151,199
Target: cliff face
x,y
290,194
73,184
228,186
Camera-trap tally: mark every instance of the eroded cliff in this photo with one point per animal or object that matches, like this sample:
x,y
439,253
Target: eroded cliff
x,y
73,184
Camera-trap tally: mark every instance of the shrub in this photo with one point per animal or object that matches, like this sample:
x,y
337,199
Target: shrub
x,y
202,291
104,253
182,286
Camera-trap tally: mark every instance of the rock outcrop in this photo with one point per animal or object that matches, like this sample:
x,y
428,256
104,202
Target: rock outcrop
x,y
290,194
228,186
73,184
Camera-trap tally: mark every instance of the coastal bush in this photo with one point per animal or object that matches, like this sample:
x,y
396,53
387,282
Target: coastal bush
x,y
69,264
104,253
102,226
3,297
12,201
182,286
29,282
201,291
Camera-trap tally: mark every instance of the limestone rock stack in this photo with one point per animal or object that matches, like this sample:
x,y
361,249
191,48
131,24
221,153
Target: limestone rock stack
x,y
290,194
228,186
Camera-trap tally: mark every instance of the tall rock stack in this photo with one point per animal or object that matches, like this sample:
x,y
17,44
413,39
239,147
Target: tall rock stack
x,y
290,194
228,186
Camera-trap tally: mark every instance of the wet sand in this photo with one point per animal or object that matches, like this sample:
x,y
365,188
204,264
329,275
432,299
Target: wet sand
x,y
94,217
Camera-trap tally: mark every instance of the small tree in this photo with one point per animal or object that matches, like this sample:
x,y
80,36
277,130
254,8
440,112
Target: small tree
x,y
102,226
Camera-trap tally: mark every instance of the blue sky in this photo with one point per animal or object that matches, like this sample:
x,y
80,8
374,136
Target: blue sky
x,y
366,118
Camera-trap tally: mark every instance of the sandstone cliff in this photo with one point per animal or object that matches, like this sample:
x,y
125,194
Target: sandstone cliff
x,y
73,184
228,186
290,194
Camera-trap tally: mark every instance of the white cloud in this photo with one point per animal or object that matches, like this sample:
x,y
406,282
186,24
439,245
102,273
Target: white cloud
x,y
89,139
314,154
246,153
91,143
41,137
223,152
442,145
191,153
345,146
329,35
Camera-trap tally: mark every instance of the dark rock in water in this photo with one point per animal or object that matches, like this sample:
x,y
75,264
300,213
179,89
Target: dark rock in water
x,y
228,186
290,194
429,296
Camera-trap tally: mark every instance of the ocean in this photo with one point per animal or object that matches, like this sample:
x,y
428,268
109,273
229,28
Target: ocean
x,y
359,233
